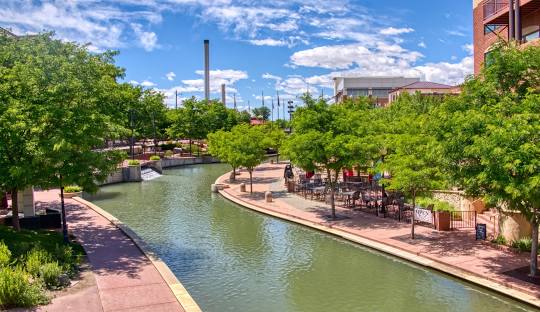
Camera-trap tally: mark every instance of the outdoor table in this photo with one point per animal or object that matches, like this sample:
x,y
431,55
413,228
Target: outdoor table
x,y
349,194
318,190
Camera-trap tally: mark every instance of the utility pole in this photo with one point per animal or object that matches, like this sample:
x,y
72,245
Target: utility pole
x,y
262,98
176,99
277,92
223,94
234,101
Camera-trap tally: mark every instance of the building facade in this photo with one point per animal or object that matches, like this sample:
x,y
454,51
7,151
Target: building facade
x,y
424,88
376,88
506,19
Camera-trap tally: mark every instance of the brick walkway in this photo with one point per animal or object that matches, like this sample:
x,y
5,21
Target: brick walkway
x,y
453,250
126,280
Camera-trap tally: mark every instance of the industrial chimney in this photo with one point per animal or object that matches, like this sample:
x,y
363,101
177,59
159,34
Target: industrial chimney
x,y
207,69
223,94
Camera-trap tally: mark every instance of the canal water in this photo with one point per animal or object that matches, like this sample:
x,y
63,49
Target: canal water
x,y
232,259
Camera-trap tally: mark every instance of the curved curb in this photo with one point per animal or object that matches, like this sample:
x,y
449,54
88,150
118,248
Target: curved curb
x,y
179,291
396,252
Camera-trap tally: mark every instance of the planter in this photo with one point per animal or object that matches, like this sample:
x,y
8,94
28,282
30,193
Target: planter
x,y
71,195
442,220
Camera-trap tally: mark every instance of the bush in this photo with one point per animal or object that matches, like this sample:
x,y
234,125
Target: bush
x,y
50,273
64,254
35,259
438,205
5,255
133,162
72,189
523,244
155,157
169,153
500,240
17,291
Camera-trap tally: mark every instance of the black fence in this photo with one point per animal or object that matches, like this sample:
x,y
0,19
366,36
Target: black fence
x,y
462,219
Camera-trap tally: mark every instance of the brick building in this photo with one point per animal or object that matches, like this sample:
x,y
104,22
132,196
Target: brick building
x,y
493,19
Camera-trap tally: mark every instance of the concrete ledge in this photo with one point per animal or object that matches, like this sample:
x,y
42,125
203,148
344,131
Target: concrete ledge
x,y
397,252
179,291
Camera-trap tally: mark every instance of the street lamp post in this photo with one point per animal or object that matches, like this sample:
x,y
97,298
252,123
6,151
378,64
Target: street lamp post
x,y
132,139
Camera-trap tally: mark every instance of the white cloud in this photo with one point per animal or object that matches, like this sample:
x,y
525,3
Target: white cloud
x,y
422,44
272,77
455,32
469,48
170,76
268,42
391,31
147,39
147,84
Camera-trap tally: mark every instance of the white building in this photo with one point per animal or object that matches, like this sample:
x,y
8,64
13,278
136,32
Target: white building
x,y
377,88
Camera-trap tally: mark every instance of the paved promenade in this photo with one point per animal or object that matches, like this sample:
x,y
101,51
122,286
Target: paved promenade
x,y
125,279
456,253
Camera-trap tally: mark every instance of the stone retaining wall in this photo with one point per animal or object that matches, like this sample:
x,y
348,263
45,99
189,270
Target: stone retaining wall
x,y
458,200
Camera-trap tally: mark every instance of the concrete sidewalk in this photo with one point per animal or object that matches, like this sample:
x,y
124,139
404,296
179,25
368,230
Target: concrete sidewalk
x,y
456,253
125,278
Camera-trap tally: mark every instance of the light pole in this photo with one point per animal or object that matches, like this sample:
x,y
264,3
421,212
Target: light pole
x,y
132,139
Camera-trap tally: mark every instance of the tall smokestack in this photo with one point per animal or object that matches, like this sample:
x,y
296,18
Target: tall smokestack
x,y
223,95
207,69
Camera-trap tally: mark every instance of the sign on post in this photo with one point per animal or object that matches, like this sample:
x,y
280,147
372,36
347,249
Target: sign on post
x,y
423,215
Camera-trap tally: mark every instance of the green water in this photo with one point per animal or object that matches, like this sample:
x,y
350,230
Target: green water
x,y
233,259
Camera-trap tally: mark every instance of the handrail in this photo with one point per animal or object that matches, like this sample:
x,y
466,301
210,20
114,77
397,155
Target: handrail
x,y
492,7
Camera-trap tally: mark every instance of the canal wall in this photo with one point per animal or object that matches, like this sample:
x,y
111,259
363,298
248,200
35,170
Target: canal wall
x,y
396,251
133,173
181,294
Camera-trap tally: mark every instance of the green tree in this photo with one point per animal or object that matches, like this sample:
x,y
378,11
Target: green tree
x,y
63,102
262,112
188,122
491,135
242,146
274,138
322,139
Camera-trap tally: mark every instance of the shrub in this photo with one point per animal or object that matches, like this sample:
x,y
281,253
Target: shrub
x,y
72,189
35,259
5,255
50,273
523,244
438,205
169,153
155,157
500,240
17,291
133,162
64,254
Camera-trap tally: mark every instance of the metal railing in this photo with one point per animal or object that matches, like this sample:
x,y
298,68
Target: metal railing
x,y
492,7
462,219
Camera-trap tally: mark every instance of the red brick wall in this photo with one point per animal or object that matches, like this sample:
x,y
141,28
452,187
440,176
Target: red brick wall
x,y
483,42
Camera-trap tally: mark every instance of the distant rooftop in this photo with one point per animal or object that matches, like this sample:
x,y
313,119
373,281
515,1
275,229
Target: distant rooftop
x,y
426,85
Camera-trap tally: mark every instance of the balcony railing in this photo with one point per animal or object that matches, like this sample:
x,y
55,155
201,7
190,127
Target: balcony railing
x,y
492,7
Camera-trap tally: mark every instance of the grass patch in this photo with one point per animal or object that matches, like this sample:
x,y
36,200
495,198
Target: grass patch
x,y
31,262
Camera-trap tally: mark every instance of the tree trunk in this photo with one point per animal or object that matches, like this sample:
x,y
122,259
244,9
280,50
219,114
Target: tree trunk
x,y
15,209
534,247
250,181
277,157
64,222
190,151
412,218
4,201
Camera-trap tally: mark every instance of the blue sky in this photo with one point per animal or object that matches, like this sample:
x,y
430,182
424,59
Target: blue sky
x,y
261,46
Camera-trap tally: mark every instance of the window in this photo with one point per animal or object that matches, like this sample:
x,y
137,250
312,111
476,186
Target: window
x,y
357,92
491,28
531,36
380,93
488,58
